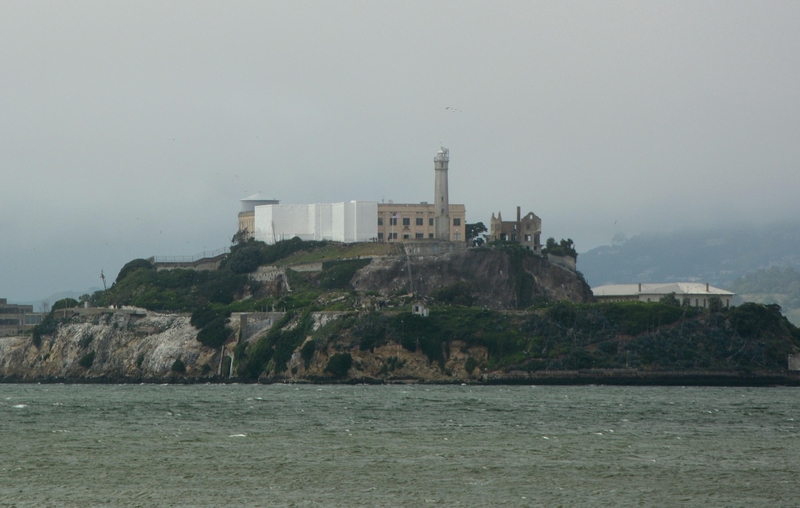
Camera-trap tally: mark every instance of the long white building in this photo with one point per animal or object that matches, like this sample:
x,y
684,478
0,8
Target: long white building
x,y
340,222
696,294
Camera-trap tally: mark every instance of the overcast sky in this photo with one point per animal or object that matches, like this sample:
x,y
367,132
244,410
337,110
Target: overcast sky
x,y
132,129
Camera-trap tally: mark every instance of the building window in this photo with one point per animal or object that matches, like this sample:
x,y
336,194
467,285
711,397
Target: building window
x,y
456,222
380,236
406,221
430,235
393,221
420,235
380,221
513,238
456,236
406,237
527,238
419,221
430,222
393,236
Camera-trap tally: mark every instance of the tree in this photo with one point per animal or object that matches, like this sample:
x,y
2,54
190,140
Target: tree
x,y
670,299
563,248
241,236
475,229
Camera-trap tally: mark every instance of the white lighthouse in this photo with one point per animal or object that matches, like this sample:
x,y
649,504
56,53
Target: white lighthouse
x,y
441,199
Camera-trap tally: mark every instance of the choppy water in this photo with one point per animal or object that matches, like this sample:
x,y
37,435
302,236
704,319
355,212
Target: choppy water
x,y
289,445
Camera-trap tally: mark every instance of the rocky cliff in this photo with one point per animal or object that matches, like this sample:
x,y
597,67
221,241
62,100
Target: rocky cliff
x,y
494,278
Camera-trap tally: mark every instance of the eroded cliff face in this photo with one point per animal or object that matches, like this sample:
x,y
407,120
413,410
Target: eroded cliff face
x,y
493,274
125,347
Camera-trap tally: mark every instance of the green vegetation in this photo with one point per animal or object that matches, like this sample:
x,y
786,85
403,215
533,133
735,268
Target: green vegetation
x,y
215,333
563,248
565,336
337,274
273,350
132,266
339,364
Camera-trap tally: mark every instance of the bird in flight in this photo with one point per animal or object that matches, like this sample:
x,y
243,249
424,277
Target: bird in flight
x,y
453,110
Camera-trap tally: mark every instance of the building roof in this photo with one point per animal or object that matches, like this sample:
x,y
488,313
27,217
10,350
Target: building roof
x,y
679,288
258,197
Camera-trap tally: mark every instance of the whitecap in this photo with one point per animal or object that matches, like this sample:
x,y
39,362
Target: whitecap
x,y
20,406
238,435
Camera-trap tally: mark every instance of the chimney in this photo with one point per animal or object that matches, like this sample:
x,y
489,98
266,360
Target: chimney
x,y
706,287
640,287
518,215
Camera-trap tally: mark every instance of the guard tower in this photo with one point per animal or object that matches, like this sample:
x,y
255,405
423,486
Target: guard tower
x,y
441,199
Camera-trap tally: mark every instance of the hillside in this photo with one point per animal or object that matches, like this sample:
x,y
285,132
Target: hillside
x,y
717,256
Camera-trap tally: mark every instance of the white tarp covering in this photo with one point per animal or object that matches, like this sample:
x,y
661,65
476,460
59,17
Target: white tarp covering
x,y
354,221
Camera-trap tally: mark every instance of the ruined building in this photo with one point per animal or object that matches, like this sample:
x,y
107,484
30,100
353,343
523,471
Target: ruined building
x,y
525,230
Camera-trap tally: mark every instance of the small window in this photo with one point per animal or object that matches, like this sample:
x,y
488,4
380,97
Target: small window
x,y
406,237
430,235
393,221
430,222
456,222
513,238
406,221
419,221
380,236
380,221
393,236
420,235
527,238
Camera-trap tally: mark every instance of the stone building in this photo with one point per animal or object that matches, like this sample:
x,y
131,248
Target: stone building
x,y
525,230
16,319
399,222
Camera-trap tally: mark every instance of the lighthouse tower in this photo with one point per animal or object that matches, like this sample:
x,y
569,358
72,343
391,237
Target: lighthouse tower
x,y
441,199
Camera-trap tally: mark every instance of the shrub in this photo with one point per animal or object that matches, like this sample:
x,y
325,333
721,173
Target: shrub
x,y
215,333
87,360
470,364
245,259
65,303
339,364
338,274
202,316
132,266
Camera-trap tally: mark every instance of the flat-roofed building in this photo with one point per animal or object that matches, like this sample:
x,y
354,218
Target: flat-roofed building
x,y
399,222
696,294
16,319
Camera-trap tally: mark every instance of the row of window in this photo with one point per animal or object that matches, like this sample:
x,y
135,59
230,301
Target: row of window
x,y
419,221
393,236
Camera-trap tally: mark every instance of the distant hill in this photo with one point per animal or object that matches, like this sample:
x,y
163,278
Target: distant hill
x,y
717,256
774,285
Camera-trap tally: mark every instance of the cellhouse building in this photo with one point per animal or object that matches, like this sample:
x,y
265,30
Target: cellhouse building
x,y
349,222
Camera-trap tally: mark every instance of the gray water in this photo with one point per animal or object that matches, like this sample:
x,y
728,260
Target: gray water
x,y
290,445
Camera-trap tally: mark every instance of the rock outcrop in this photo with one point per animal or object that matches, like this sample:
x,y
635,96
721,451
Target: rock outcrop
x,y
493,275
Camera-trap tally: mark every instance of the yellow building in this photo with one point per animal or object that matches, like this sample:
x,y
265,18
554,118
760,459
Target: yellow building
x,y
399,222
